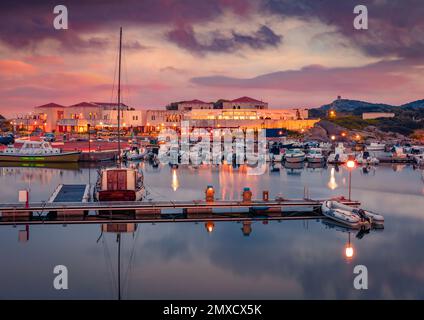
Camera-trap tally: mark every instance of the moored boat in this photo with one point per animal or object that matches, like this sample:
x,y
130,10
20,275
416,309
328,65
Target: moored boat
x,y
366,158
294,155
334,210
119,184
376,146
38,151
339,156
315,155
134,153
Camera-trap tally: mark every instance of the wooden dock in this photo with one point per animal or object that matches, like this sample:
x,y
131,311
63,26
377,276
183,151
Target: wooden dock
x,y
158,210
71,193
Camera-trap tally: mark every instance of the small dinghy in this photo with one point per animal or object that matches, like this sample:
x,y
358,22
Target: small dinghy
x,y
332,210
354,217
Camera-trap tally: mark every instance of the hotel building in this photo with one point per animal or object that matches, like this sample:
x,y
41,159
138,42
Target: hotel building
x,y
242,113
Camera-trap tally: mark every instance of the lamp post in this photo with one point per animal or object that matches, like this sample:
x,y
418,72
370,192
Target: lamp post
x,y
89,140
350,166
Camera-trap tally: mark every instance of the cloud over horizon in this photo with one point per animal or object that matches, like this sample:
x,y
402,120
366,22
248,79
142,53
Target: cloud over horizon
x,y
286,52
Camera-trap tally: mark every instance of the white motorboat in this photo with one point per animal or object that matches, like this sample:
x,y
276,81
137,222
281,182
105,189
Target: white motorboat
x,y
333,210
315,155
376,146
419,159
37,151
366,158
134,153
339,156
325,146
294,155
275,157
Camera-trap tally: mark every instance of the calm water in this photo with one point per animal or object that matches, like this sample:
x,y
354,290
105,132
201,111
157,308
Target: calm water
x,y
279,260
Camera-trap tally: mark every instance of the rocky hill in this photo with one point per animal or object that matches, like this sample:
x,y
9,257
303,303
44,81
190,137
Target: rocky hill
x,y
409,117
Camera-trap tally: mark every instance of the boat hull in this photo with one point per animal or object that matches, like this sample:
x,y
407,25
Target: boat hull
x,y
315,159
295,159
119,195
60,157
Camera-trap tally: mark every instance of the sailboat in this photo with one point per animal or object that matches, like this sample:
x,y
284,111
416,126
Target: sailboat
x,y
119,183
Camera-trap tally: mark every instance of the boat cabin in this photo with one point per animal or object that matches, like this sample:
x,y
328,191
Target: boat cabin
x,y
33,147
119,184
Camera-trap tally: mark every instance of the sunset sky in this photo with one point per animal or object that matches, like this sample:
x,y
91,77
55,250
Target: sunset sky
x,y
289,53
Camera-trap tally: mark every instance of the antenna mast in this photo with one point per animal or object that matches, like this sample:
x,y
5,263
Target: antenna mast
x,y
119,95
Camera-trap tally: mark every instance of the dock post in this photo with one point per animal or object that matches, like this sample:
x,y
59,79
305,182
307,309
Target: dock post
x,y
265,195
210,194
247,195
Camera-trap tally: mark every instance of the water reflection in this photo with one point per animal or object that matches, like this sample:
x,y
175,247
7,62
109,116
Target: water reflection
x,y
175,183
332,184
277,260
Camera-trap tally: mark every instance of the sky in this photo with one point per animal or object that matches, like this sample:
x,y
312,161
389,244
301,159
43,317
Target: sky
x,y
301,53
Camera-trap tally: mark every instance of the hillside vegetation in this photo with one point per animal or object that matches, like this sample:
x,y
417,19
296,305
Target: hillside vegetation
x,y
408,117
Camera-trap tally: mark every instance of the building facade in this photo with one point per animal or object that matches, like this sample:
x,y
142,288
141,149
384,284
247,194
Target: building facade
x,y
244,103
243,112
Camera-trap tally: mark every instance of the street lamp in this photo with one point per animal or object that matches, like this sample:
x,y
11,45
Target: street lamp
x,y
350,164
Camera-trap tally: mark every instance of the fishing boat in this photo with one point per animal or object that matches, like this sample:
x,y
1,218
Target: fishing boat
x,y
366,158
294,155
376,146
336,211
339,156
119,183
315,155
37,151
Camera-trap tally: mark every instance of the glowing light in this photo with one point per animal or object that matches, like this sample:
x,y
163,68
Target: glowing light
x,y
343,134
350,164
358,136
349,252
333,137
332,113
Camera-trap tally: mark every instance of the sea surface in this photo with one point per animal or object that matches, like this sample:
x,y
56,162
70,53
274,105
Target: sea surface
x,y
294,259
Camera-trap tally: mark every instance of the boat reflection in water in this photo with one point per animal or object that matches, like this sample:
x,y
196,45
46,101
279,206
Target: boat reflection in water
x,y
118,229
47,165
349,250
294,168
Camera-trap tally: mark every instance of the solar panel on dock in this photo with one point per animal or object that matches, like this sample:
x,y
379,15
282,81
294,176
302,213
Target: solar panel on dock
x,y
71,193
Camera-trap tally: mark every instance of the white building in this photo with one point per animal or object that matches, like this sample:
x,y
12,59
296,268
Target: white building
x,y
376,115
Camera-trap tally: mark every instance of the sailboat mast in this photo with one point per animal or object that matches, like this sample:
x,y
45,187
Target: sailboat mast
x,y
119,265
119,94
